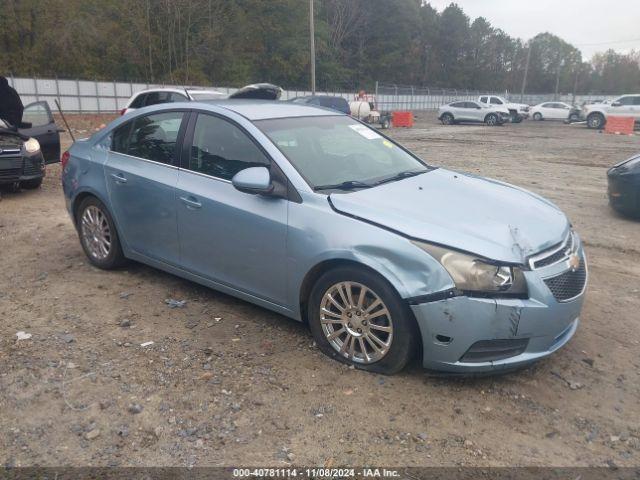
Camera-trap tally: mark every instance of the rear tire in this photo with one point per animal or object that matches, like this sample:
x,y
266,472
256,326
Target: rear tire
x,y
31,184
98,235
537,116
596,121
447,119
334,306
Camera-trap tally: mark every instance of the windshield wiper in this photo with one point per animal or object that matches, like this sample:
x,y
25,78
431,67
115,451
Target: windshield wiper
x,y
348,185
400,176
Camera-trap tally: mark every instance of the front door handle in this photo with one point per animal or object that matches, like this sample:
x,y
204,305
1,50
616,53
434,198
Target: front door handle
x,y
119,178
191,202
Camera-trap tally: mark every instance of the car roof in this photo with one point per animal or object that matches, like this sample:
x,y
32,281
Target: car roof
x,y
267,109
178,90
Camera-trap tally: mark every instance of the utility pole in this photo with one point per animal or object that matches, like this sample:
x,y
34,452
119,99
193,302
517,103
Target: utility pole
x,y
313,48
526,72
560,62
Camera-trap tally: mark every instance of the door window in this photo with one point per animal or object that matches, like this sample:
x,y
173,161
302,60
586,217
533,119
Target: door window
x,y
496,101
625,100
37,114
220,149
636,100
483,99
177,97
152,137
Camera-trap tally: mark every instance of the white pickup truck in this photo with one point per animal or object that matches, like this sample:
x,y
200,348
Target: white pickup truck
x,y
518,111
624,106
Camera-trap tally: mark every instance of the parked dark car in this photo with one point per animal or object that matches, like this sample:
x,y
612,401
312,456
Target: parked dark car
x,y
335,103
25,150
624,187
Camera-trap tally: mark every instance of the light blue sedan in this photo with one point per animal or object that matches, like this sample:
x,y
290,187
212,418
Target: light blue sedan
x,y
312,214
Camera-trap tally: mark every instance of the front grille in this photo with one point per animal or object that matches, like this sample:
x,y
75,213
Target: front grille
x,y
555,254
31,168
10,168
494,350
569,284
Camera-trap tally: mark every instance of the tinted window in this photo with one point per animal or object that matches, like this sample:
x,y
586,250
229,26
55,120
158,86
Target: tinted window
x,y
335,103
496,101
138,102
155,98
471,105
458,104
221,149
153,137
483,99
636,100
120,138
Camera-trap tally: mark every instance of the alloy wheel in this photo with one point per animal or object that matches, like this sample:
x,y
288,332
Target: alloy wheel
x,y
356,322
96,233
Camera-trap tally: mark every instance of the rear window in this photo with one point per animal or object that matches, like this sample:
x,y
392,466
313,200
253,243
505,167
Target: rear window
x,y
335,103
138,102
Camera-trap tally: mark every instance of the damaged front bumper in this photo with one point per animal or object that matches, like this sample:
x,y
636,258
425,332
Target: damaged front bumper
x,y
465,334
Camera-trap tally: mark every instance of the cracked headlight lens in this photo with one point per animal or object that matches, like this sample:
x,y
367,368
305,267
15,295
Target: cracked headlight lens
x,y
471,274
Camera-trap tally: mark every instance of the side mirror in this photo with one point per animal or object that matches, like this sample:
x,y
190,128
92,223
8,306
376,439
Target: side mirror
x,y
253,180
616,104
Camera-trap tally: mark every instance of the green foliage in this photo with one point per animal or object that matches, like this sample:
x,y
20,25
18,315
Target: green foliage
x,y
231,42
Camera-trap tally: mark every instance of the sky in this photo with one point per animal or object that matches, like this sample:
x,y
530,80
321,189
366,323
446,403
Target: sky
x,y
590,25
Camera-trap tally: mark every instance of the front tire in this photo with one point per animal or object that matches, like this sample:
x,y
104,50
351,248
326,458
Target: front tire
x,y
574,117
537,116
595,120
357,318
98,235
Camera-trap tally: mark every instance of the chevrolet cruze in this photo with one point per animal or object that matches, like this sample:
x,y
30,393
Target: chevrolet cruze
x,y
312,214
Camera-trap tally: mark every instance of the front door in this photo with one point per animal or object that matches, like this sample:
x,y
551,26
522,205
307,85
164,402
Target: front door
x,y
141,175
227,236
43,128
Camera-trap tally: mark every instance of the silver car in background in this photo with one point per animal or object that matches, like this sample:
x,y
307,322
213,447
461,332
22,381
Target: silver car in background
x,y
473,112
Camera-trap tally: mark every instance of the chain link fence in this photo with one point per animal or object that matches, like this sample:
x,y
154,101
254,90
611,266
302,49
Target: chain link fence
x,y
89,96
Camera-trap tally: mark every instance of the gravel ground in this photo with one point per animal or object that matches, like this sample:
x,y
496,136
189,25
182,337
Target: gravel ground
x,y
228,383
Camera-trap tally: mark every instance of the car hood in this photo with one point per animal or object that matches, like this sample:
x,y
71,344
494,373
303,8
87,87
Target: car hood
x,y
491,219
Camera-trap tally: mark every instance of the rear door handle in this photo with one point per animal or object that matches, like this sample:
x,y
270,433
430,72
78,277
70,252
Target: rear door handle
x,y
119,178
191,202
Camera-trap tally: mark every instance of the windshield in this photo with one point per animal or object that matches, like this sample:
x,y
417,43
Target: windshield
x,y
336,150
206,95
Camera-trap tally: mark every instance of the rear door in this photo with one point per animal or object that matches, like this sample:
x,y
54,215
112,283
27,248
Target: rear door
x,y
43,128
141,175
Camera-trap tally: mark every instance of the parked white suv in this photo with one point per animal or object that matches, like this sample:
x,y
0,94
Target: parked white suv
x,y
518,111
155,96
475,112
624,106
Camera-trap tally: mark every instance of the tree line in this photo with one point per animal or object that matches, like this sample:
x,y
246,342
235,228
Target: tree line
x,y
233,42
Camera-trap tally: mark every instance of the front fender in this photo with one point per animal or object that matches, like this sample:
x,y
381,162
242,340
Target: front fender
x,y
323,235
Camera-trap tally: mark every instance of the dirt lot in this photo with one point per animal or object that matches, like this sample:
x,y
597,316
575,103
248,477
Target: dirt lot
x,y
227,383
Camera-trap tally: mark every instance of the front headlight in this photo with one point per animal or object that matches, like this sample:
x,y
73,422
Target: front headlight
x,y
32,145
472,274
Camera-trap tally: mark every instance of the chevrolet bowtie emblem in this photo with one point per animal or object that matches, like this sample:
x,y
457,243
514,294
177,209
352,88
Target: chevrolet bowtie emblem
x,y
574,262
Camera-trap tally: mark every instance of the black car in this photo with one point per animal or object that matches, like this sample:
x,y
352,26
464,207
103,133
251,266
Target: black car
x,y
334,103
26,149
624,187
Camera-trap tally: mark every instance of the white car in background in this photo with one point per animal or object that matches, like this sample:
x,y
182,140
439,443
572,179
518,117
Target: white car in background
x,y
155,96
475,112
624,106
555,111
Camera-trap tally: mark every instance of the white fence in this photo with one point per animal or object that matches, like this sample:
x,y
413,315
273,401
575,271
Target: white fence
x,y
88,96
